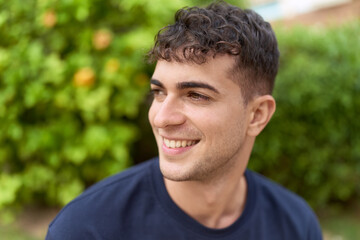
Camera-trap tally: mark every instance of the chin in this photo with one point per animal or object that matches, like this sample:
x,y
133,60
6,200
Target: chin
x,y
174,172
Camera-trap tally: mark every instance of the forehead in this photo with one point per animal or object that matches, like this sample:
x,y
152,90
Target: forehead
x,y
215,71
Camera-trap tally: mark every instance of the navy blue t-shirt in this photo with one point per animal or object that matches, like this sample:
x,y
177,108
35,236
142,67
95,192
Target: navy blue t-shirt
x,y
134,204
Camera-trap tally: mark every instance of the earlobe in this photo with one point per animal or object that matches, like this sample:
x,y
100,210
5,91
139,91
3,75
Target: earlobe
x,y
262,109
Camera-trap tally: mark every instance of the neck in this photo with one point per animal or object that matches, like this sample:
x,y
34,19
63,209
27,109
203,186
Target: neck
x,y
215,204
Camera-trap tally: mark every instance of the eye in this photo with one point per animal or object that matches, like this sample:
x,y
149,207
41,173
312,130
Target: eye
x,y
198,97
157,94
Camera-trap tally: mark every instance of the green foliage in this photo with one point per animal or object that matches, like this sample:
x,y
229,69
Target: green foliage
x,y
14,233
345,226
72,77
312,142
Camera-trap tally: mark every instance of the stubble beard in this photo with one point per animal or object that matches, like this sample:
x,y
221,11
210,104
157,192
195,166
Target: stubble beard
x,y
209,166
206,169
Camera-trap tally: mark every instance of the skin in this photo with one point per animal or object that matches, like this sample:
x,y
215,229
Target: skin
x,y
203,104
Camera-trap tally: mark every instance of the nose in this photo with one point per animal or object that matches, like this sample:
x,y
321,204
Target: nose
x,y
167,113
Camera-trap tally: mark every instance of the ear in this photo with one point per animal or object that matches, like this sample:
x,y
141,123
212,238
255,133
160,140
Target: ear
x,y
262,108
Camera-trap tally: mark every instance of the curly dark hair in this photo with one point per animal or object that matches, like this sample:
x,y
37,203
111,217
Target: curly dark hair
x,y
221,28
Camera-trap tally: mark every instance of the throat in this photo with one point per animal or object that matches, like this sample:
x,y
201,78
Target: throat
x,y
213,208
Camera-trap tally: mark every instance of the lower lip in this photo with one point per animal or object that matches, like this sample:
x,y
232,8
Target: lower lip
x,y
175,151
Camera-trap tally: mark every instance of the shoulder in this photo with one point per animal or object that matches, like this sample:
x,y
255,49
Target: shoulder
x,y
132,175
285,208
274,195
120,183
99,204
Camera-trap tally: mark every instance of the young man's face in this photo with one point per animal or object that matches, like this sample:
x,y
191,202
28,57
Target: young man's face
x,y
198,118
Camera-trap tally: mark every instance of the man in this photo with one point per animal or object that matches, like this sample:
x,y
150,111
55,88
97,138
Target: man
x,y
212,96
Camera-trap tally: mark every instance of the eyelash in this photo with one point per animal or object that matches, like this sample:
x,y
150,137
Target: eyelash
x,y
193,95
155,92
197,96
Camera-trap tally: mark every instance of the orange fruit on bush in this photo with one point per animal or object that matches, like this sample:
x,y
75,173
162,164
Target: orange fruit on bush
x,y
102,39
84,77
49,19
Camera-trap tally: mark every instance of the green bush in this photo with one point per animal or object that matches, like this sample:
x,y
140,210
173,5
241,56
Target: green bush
x,y
72,80
312,144
72,77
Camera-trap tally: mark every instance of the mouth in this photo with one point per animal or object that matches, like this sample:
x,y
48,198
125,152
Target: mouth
x,y
173,144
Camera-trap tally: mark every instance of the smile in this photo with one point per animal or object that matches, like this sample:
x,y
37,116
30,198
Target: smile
x,y
179,143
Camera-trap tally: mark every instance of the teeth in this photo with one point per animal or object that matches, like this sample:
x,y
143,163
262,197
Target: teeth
x,y
178,143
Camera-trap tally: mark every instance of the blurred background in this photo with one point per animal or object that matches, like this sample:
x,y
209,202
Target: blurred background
x,y
73,103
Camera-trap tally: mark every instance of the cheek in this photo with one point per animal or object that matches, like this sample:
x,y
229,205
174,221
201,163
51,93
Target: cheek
x,y
228,122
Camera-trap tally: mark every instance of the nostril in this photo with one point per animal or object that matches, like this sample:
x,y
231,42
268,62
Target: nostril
x,y
168,119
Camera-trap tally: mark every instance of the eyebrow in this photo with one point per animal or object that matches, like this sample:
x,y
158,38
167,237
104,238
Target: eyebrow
x,y
185,85
156,82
